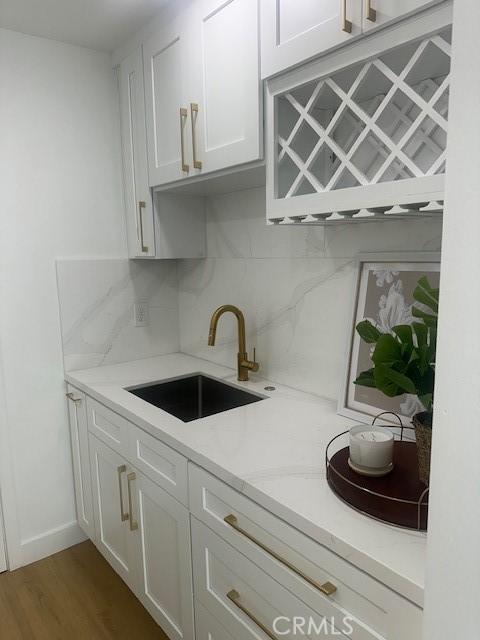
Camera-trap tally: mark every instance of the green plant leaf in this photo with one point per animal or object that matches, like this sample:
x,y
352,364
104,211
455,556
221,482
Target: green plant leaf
x,y
429,319
365,379
424,294
387,350
404,333
398,379
368,332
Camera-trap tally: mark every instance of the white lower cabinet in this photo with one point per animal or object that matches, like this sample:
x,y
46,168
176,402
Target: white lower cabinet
x,y
77,413
163,551
144,534
112,514
176,535
249,603
207,627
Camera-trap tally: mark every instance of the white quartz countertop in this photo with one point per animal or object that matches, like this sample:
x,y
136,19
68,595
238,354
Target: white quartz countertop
x,y
272,451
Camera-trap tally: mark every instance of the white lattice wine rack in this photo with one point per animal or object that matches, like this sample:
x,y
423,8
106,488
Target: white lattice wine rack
x,y
363,142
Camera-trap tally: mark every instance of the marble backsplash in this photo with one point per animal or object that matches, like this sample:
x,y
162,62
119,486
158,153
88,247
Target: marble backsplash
x,y
294,284
96,299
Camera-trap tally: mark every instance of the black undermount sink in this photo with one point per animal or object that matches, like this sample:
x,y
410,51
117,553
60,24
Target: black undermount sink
x,y
195,396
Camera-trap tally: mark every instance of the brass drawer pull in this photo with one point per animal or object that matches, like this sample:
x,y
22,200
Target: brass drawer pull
x,y
141,206
346,24
183,117
71,396
327,588
121,469
130,478
194,115
234,597
370,11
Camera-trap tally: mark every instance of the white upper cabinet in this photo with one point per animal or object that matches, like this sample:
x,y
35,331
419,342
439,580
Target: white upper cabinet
x,y
203,92
165,57
138,200
224,90
362,130
294,31
379,12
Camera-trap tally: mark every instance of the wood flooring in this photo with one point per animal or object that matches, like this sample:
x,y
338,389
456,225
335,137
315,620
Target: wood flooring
x,y
73,595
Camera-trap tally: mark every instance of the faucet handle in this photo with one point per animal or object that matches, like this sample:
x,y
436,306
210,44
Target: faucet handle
x,y
254,354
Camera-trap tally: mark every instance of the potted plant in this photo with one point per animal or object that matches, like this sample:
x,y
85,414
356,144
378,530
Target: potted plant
x,y
404,362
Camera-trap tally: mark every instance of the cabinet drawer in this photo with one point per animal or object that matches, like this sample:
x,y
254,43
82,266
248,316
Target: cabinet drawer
x,y
159,462
207,627
301,564
108,426
247,601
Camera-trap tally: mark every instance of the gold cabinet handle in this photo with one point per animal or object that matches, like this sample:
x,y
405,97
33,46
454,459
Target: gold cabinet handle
x,y
194,115
183,118
346,24
121,469
71,396
370,12
327,588
130,478
141,206
234,597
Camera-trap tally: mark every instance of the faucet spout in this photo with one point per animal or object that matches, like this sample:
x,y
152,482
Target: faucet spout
x,y
244,364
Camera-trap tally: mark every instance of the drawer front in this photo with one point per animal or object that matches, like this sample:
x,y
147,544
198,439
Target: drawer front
x,y
207,627
246,600
108,426
158,462
300,564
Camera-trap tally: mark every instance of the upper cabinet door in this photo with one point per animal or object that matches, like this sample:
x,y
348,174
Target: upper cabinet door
x,y
164,56
294,31
138,199
379,12
224,89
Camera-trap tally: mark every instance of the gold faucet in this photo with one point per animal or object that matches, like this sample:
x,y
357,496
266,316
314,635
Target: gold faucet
x,y
244,365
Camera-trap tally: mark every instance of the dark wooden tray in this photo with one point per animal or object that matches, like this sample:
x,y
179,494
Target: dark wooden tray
x,y
395,498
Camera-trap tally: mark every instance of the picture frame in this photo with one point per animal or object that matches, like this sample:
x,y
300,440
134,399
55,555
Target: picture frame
x,y
383,290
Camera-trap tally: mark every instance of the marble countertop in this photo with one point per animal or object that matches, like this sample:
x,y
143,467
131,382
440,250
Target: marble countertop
x,y
273,452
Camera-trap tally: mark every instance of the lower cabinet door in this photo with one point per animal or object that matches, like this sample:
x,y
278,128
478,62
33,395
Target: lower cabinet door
x,y
163,553
207,627
250,604
77,412
114,537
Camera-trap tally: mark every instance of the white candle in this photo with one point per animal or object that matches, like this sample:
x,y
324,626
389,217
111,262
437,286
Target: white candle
x,y
370,447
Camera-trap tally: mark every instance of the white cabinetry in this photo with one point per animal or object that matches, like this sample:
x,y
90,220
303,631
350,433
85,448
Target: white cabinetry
x,y
203,95
163,552
294,31
364,128
112,514
144,533
379,12
162,227
166,62
224,85
138,199
77,410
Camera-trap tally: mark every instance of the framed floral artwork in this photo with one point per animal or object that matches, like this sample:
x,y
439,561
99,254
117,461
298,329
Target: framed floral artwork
x,y
383,295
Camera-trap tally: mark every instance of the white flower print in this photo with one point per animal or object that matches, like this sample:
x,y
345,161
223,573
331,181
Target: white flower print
x,y
385,276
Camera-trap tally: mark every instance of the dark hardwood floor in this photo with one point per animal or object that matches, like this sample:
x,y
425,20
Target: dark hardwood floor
x,y
73,595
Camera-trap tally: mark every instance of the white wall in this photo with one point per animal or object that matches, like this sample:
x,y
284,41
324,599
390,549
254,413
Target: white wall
x,y
453,572
295,285
60,186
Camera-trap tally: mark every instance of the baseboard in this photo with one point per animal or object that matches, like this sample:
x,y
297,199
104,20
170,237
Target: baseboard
x,y
51,542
